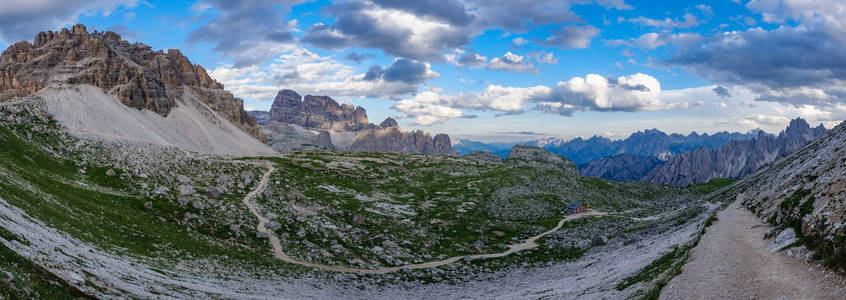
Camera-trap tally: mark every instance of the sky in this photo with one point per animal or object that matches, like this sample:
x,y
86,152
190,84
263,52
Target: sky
x,y
501,70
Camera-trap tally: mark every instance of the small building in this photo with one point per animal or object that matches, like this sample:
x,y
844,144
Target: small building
x,y
575,208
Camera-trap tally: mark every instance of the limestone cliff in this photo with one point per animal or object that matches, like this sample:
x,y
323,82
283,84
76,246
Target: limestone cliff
x,y
138,76
345,124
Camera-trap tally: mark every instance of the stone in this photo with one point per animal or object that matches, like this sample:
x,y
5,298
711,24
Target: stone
x,y
272,225
186,190
184,179
214,192
783,240
111,173
358,219
499,233
301,233
148,205
198,205
262,235
599,240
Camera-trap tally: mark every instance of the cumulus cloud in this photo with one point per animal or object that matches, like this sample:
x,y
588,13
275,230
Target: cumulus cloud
x,y
22,19
425,30
394,28
572,36
467,59
309,73
635,92
249,32
512,63
721,91
631,93
358,57
687,21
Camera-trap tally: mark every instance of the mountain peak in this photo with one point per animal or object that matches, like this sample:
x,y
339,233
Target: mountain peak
x,y
133,73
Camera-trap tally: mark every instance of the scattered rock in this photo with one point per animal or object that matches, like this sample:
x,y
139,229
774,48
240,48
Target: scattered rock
x,y
186,190
599,241
358,219
784,239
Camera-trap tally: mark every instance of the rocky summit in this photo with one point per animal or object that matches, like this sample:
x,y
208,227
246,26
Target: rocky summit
x,y
319,122
138,76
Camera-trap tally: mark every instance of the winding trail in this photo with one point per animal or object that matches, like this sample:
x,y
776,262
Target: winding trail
x,y
530,243
731,261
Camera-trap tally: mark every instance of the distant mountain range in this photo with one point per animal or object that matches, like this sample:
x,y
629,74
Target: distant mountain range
x,y
654,156
647,143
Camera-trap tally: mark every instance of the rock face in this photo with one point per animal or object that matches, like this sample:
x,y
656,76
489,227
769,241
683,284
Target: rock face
x,y
319,122
539,158
620,167
735,159
317,112
138,76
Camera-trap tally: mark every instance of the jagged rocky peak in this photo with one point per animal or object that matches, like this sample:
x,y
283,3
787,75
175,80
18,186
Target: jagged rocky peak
x,y
389,122
138,76
317,112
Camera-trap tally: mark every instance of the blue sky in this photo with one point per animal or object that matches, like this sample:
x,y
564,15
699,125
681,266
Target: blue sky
x,y
502,70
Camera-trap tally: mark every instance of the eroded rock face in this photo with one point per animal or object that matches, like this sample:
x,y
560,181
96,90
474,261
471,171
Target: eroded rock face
x,y
317,112
332,121
395,140
138,76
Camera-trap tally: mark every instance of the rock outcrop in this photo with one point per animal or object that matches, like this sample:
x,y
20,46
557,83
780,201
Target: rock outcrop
x,y
539,158
620,167
317,112
319,122
735,159
138,76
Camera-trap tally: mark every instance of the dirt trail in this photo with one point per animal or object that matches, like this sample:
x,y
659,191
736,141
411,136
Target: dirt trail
x,y
530,243
732,261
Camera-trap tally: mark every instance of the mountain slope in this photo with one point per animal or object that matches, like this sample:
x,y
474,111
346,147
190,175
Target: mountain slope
x,y
735,159
620,167
806,191
134,74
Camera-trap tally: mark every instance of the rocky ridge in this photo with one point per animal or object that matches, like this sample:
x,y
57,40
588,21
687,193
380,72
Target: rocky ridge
x,y
138,76
319,122
735,159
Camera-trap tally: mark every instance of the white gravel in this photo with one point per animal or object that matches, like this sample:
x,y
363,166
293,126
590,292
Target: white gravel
x,y
88,111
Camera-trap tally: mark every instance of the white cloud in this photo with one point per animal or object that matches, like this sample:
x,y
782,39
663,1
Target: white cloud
x,y
308,73
512,63
687,21
636,92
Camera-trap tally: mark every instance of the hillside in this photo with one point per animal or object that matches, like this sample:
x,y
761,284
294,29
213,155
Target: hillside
x,y
100,69
805,191
143,220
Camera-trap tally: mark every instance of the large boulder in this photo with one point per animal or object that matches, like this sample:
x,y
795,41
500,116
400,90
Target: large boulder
x,y
784,239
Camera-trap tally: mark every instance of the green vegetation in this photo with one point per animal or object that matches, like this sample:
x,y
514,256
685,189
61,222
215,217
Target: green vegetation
x,y
712,185
108,211
22,279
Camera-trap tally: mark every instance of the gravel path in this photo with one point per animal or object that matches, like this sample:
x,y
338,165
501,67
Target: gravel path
x,y
280,254
732,261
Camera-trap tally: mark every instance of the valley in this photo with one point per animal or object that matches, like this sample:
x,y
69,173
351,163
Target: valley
x,y
132,173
